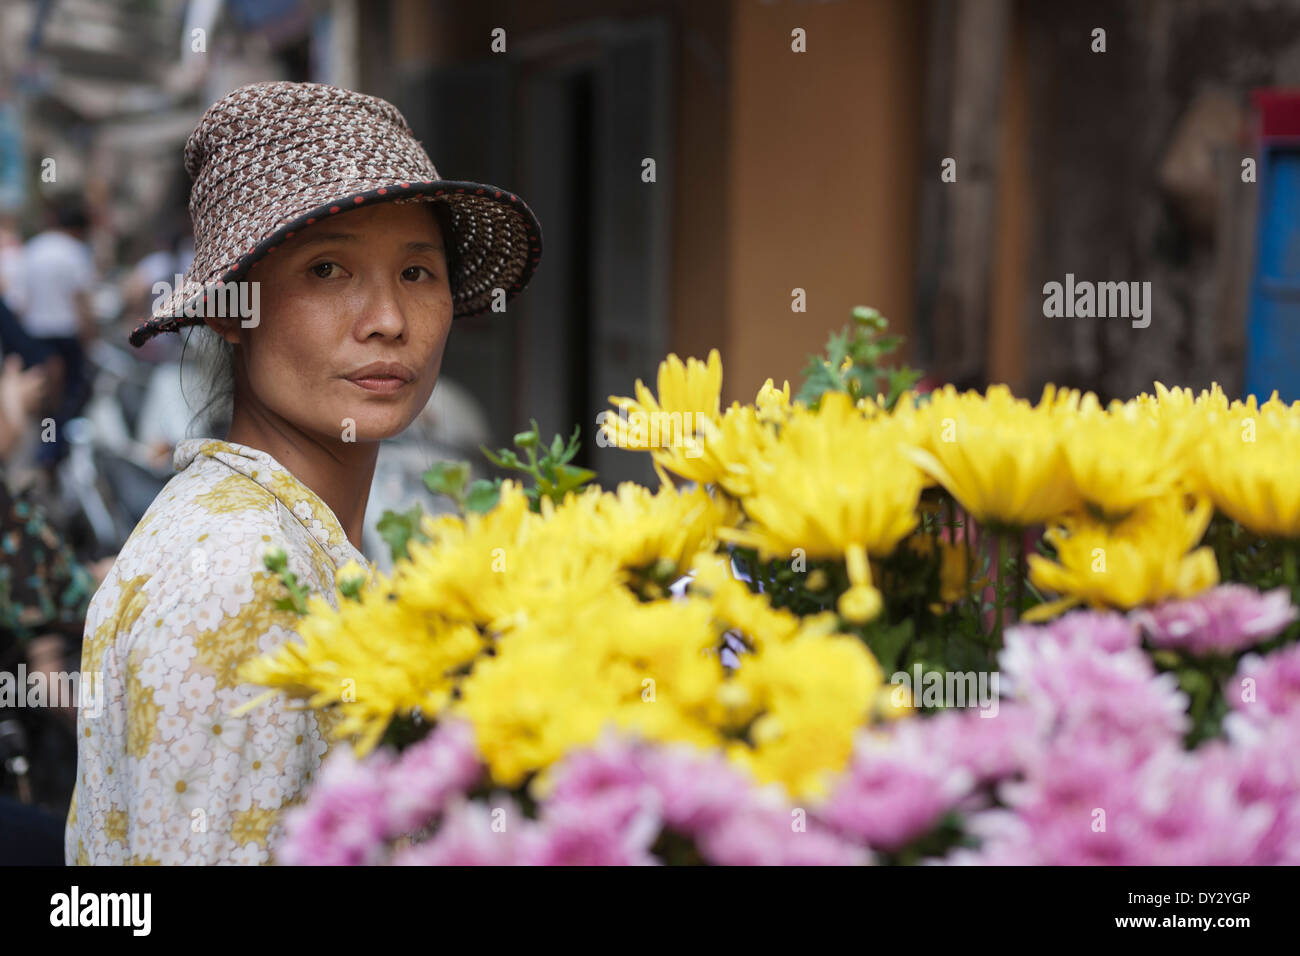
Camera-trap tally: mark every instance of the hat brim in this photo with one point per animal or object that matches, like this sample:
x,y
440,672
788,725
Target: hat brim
x,y
497,243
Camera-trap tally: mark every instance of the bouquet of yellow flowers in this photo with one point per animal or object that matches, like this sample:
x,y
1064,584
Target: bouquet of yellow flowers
x,y
775,655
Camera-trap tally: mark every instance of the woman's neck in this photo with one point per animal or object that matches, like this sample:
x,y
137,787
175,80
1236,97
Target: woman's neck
x,y
340,473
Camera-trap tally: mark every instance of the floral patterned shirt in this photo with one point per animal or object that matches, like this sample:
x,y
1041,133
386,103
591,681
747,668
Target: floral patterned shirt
x,y
165,773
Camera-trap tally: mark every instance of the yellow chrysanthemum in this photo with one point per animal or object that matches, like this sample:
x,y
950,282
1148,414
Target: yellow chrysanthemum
x,y
1000,457
1061,402
813,693
504,566
733,605
352,571
372,659
832,485
772,403
732,452
1147,557
1123,456
524,624
1245,462
533,701
689,394
893,702
549,688
1179,401
644,529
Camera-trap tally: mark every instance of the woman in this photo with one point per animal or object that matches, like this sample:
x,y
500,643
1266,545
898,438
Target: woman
x,y
350,257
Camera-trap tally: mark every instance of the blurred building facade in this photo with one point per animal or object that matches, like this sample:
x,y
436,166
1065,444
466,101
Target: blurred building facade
x,y
774,170
771,173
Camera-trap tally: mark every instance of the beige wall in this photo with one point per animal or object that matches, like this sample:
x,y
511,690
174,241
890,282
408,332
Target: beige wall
x,y
822,174
1013,224
790,169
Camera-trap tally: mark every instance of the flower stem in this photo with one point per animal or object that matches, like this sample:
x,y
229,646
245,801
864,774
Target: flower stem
x,y
970,569
1000,587
1289,566
1020,572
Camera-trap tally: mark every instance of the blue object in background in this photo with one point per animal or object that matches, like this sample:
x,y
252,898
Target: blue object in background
x,y
12,185
1273,333
254,14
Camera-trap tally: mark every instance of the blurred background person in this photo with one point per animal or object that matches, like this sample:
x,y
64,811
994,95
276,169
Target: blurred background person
x,y
44,593
14,338
53,283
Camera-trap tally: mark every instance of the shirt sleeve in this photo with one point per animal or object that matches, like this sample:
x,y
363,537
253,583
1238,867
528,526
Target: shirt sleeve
x,y
180,780
13,284
83,275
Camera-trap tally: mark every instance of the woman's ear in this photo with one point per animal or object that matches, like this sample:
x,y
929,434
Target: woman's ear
x,y
225,326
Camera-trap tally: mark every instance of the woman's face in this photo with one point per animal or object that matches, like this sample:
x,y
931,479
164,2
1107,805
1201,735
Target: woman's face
x,y
359,288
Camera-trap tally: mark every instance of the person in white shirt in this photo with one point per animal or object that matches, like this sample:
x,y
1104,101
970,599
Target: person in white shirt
x,y
54,284
14,339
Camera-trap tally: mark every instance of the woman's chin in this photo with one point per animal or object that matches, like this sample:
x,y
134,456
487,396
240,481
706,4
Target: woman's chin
x,y
372,428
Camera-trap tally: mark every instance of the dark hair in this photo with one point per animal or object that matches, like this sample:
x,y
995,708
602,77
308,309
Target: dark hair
x,y
70,213
216,361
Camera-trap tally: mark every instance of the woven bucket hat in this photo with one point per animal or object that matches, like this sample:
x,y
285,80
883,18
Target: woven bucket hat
x,y
269,159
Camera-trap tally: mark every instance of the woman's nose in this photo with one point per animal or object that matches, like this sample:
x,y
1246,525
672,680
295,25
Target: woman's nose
x,y
383,311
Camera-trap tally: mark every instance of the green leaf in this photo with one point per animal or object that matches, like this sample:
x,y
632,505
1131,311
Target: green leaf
x,y
297,599
351,587
837,346
1195,683
1166,659
569,477
868,316
505,458
866,349
900,380
887,642
483,496
574,444
448,478
397,528
963,654
552,474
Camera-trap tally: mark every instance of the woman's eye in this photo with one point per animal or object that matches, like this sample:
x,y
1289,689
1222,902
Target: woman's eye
x,y
316,269
413,272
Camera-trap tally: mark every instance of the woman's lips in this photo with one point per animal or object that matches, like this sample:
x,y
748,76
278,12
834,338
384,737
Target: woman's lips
x,y
385,385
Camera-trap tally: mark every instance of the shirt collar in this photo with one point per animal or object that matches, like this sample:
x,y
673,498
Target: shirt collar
x,y
303,503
